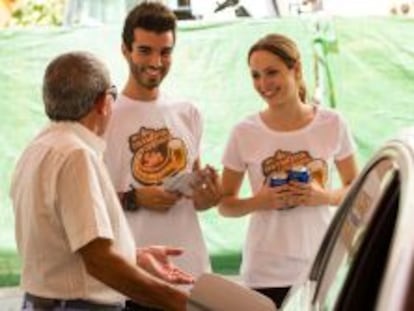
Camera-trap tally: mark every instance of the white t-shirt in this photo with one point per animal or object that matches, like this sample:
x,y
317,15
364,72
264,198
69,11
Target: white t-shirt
x,y
63,199
280,245
147,142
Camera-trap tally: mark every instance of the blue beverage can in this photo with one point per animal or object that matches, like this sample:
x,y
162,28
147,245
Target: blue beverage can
x,y
278,179
300,174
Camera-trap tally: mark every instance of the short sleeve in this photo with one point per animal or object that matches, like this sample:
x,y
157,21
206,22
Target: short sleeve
x,y
346,143
232,156
82,209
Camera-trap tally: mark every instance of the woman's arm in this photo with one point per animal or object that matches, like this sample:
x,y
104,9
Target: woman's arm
x,y
348,171
314,194
233,206
230,204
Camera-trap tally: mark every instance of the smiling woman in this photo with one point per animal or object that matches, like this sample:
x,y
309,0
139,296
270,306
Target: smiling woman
x,y
292,134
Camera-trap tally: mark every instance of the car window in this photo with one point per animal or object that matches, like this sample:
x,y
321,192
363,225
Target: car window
x,y
364,279
352,229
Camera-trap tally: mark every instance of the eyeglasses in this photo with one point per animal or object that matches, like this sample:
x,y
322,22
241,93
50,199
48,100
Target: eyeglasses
x,y
113,91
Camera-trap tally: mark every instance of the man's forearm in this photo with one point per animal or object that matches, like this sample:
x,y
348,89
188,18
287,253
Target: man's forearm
x,y
134,282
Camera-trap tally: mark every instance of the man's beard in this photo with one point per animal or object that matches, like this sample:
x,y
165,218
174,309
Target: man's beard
x,y
139,74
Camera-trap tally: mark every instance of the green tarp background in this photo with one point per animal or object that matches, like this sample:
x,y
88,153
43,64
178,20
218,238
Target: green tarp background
x,y
372,74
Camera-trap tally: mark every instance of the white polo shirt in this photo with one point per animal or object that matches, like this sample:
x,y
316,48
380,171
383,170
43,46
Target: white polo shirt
x,y
63,199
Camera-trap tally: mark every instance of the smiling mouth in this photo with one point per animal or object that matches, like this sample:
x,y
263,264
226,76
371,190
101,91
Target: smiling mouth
x,y
268,94
272,92
152,71
153,75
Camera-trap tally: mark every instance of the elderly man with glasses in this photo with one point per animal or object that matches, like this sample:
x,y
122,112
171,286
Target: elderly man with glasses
x,y
76,247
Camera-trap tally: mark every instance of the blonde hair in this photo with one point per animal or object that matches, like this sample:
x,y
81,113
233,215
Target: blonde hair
x,y
286,50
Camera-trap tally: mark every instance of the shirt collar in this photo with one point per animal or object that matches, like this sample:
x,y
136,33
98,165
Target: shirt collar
x,y
86,135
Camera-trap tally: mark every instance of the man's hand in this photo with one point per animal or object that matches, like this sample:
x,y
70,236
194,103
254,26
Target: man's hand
x,y
155,198
155,260
207,192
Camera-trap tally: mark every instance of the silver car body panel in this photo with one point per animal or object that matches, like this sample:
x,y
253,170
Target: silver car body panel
x,y
396,279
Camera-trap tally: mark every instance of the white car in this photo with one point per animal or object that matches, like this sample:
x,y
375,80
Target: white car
x,y
366,260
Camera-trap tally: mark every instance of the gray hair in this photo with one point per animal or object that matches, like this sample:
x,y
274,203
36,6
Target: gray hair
x,y
72,83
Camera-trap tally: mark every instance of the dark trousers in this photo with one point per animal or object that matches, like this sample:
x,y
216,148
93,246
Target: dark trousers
x,y
36,303
133,306
276,294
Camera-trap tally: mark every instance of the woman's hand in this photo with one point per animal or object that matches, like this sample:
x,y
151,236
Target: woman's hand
x,y
269,198
307,194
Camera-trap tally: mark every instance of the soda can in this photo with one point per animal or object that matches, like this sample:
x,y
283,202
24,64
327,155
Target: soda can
x,y
278,179
300,174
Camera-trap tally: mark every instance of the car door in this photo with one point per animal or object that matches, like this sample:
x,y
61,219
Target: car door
x,y
350,267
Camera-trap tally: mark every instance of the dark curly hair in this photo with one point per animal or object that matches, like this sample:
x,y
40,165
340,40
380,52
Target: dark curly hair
x,y
150,16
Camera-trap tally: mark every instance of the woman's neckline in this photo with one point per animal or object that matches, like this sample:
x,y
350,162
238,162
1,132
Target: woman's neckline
x,y
304,127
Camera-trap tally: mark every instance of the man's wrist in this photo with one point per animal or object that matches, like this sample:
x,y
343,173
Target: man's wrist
x,y
130,201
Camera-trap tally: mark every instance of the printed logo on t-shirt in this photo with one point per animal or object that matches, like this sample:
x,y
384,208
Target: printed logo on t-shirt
x,y
156,155
281,162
